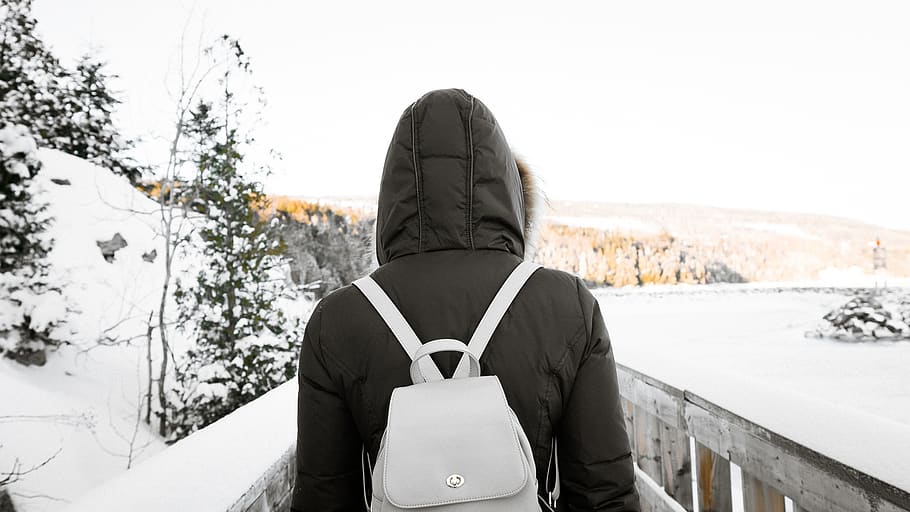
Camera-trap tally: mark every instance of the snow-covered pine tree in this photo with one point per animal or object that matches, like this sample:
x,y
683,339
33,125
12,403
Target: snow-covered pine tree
x,y
92,133
63,109
31,91
21,246
30,307
245,344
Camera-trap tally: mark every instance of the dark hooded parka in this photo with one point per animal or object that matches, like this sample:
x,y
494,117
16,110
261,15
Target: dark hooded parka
x,y
451,225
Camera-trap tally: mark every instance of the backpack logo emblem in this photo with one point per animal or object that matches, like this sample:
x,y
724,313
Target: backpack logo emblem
x,y
455,481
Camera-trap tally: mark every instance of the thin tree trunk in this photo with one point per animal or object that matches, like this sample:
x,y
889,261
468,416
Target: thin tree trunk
x,y
148,359
162,328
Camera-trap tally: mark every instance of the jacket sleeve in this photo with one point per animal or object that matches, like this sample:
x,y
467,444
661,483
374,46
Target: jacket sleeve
x,y
595,462
329,472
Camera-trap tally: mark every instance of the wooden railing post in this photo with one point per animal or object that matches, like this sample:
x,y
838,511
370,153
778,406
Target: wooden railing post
x,y
713,481
647,444
759,496
676,463
629,415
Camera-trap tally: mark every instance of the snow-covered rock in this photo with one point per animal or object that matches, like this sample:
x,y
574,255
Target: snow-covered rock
x,y
868,317
110,247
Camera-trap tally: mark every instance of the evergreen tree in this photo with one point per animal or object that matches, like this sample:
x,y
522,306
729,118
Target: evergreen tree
x,y
29,305
63,109
21,247
92,134
32,80
245,344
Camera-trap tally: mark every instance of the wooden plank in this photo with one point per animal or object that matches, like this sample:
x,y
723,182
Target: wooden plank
x,y
713,481
647,443
279,488
292,466
759,496
811,479
652,497
644,505
256,497
676,465
652,396
628,409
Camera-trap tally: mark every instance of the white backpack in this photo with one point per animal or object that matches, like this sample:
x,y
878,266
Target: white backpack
x,y
452,444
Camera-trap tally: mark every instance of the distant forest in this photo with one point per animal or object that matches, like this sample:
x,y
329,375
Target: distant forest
x,y
607,258
602,257
329,247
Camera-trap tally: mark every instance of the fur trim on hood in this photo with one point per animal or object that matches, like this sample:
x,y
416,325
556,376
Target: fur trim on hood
x,y
534,202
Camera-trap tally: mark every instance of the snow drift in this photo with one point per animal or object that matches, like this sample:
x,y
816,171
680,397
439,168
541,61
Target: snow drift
x,y
80,412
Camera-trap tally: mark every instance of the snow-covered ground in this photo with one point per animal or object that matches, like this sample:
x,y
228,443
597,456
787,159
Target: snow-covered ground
x,y
209,469
82,412
745,349
790,230
81,408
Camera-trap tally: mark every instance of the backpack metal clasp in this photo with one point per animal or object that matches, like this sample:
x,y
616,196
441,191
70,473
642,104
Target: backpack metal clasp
x,y
455,481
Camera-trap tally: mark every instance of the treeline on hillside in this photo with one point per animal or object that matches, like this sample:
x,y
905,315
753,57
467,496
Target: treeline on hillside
x,y
328,247
616,259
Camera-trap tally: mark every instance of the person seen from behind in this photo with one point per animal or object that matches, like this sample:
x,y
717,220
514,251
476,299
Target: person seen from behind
x,y
456,211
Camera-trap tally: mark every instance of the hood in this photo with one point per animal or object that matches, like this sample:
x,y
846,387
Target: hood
x,y
451,181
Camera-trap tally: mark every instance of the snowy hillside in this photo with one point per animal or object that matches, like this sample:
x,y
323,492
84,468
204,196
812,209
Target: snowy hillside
x,y
82,409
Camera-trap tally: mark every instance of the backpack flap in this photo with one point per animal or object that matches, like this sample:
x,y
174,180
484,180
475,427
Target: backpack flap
x,y
452,441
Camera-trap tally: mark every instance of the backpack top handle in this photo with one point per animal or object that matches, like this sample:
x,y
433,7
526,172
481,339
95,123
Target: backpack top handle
x,y
442,345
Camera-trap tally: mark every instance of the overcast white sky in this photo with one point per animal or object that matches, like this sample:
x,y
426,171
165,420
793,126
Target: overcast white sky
x,y
773,105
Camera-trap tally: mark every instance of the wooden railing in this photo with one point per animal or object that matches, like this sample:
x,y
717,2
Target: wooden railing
x,y
661,420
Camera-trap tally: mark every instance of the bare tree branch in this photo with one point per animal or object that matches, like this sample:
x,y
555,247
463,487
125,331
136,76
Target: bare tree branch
x,y
16,472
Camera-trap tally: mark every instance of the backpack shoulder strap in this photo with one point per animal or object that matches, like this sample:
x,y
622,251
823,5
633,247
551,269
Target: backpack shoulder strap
x,y
396,322
496,310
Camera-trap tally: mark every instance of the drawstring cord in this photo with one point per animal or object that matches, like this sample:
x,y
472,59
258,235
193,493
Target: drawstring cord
x,y
365,466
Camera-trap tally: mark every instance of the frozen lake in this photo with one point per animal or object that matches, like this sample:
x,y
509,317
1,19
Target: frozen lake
x,y
745,349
